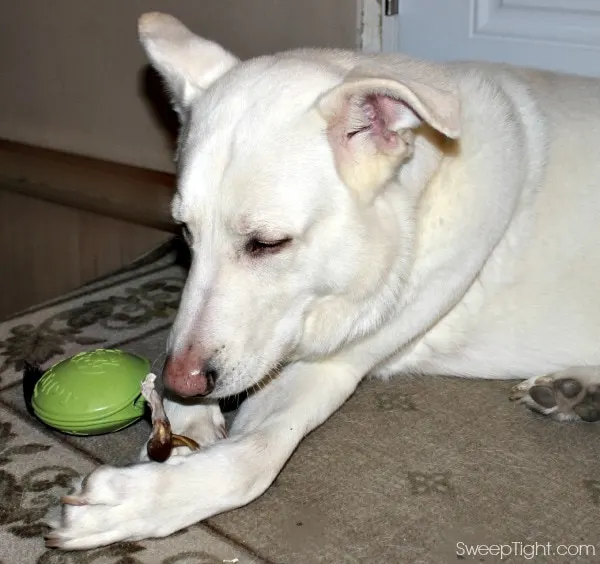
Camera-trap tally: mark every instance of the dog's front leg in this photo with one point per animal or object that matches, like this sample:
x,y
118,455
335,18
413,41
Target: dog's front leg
x,y
155,500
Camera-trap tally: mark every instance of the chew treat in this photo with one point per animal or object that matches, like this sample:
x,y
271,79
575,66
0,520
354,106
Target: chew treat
x,y
162,441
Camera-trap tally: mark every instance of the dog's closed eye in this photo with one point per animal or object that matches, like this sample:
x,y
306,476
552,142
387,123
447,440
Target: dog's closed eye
x,y
257,247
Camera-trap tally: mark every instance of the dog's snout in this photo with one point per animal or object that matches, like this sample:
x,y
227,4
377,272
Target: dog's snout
x,y
187,374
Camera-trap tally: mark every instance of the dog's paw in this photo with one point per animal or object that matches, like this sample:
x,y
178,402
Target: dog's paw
x,y
571,395
110,505
206,427
203,423
205,432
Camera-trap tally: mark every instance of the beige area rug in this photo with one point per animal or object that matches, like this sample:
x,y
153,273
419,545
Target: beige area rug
x,y
416,470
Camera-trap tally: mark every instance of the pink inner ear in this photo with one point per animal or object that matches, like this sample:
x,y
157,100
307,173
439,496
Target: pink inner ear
x,y
386,116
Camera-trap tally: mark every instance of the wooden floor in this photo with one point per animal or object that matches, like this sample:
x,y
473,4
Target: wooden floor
x,y
66,220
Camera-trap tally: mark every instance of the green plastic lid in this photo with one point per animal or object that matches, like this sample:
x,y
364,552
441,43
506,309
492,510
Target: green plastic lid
x,y
92,392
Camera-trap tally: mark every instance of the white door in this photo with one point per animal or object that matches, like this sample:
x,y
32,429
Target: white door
x,y
560,35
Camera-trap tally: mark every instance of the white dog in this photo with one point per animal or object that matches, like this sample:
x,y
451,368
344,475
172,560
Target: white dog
x,y
349,215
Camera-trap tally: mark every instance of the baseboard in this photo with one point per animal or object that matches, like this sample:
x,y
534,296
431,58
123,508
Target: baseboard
x,y
114,190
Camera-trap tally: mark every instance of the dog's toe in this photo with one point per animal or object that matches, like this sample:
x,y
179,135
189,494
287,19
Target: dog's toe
x,y
543,395
569,387
588,408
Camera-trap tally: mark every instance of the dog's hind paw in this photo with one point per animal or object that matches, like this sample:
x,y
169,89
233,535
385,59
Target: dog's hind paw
x,y
570,395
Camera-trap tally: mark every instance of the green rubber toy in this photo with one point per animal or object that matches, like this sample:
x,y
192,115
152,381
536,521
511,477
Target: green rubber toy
x,y
92,392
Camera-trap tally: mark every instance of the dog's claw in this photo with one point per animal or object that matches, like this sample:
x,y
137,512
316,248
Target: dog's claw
x,y
52,540
73,500
517,392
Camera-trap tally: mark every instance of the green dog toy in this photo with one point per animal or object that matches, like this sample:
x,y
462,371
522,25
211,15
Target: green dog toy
x,y
92,392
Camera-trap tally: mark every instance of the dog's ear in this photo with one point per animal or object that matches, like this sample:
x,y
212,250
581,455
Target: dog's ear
x,y
187,63
371,121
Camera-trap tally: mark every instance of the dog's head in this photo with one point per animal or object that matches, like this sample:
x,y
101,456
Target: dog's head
x,y
283,164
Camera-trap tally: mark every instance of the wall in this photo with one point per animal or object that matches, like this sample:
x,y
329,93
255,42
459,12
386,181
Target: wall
x,y
74,78
53,249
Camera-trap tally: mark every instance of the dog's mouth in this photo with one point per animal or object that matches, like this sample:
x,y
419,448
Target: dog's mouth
x,y
228,388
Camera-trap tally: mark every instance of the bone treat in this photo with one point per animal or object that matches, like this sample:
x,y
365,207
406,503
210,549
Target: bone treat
x,y
162,440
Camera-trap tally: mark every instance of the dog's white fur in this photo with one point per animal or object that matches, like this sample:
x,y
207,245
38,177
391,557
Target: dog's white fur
x,y
461,240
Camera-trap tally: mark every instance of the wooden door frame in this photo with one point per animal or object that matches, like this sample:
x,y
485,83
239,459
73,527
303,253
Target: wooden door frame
x,y
378,33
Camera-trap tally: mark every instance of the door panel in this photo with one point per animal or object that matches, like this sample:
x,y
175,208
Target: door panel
x,y
560,35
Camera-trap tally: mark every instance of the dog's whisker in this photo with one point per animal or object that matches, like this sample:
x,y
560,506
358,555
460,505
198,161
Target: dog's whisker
x,y
158,359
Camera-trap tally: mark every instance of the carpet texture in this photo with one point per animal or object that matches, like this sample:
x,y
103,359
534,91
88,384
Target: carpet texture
x,y
415,470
